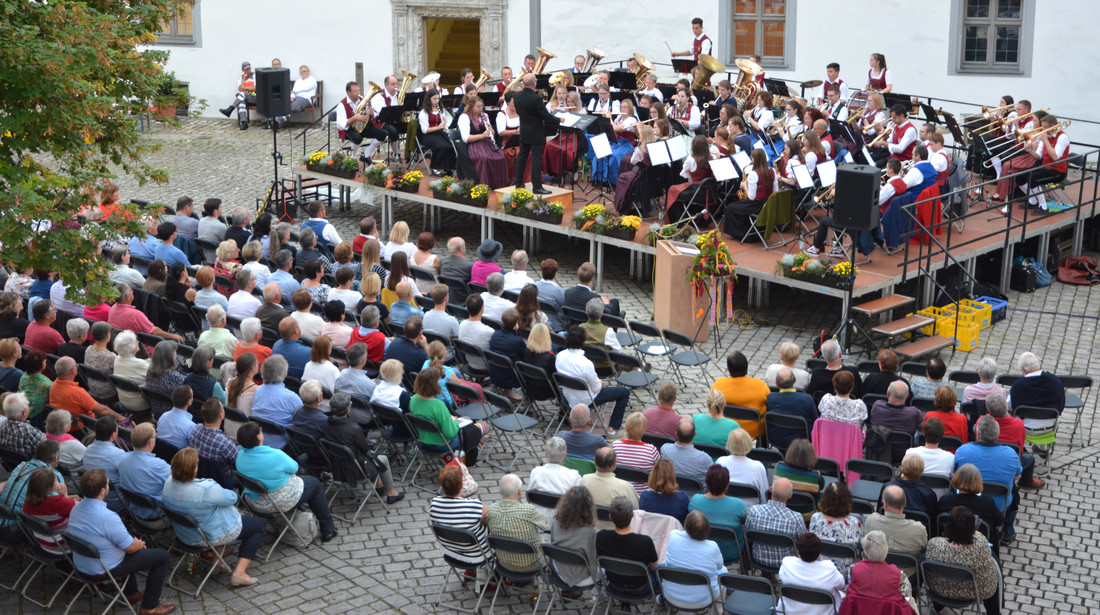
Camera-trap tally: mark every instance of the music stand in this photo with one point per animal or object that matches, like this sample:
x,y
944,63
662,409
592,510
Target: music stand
x,y
578,129
450,101
956,131
892,98
930,114
683,66
623,80
703,95
777,87
414,100
491,99
580,78
542,81
667,91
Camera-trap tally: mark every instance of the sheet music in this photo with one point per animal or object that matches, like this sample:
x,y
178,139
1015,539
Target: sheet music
x,y
826,172
677,148
848,158
867,156
802,174
996,162
658,153
723,169
759,144
742,159
569,119
601,147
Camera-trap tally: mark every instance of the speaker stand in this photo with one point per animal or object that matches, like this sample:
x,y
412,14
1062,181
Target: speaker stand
x,y
275,201
848,324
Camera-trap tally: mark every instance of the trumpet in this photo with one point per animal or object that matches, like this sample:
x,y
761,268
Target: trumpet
x,y
882,135
1008,122
875,126
987,112
826,196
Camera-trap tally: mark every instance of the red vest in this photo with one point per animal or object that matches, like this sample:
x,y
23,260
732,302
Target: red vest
x,y
876,84
895,138
685,115
348,112
697,46
434,119
501,86
899,188
877,581
759,78
942,175
699,174
764,185
825,87
1061,164
832,146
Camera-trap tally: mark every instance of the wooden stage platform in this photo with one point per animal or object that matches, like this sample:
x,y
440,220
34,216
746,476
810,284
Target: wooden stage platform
x,y
984,230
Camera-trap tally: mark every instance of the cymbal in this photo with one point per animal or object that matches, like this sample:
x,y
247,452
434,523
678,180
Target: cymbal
x,y
812,83
749,67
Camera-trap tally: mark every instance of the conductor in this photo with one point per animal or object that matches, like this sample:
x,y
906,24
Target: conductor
x,y
532,133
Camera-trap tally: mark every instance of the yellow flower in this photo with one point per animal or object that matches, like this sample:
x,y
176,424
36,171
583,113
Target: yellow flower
x,y
631,222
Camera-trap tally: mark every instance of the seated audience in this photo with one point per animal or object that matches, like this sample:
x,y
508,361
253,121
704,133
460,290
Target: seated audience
x,y
143,472
58,425
354,379
961,544
774,516
252,333
76,329
903,535
966,490
663,418
199,379
892,413
475,332
835,522
622,543
997,463
721,509
578,296
389,391
875,583
799,466
790,402
954,423
242,303
572,362
218,336
273,401
741,390
632,452
272,312
552,476
308,417
579,440
924,387
99,356
788,357
1012,431
453,435
310,324
290,347
320,367
163,375
690,549
495,305
17,435
213,446
175,425
411,348
369,335
877,382
604,485
511,517
549,289
485,265
510,343
809,569
46,501
688,460
742,469
573,526
36,386
664,495
839,405
455,264
403,308
67,394
14,489
128,318
40,335
452,510
937,462
1039,388
987,375
438,321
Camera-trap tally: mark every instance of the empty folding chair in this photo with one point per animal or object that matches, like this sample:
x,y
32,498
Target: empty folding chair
x,y
747,595
685,579
508,423
580,388
631,373
12,543
689,357
424,456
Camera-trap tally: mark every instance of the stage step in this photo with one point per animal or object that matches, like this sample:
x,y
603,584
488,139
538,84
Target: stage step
x,y
884,304
923,346
903,325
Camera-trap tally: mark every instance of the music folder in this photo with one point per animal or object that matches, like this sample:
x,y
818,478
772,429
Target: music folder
x,y
601,146
414,100
623,80
826,172
542,81
579,124
491,99
579,78
742,159
391,115
677,148
658,153
682,65
802,176
724,169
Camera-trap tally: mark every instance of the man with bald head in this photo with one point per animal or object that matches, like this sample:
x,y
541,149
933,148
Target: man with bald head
x,y
903,535
401,309
533,117
821,127
686,459
291,348
774,516
66,394
272,312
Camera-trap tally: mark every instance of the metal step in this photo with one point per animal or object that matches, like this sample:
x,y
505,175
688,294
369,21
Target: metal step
x,y
923,346
884,304
902,325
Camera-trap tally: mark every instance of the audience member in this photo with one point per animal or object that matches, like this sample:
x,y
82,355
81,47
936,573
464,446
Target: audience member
x,y
517,278
320,366
892,413
549,289
552,477
455,264
308,418
741,390
210,227
187,225
840,405
664,495
821,379
13,491
799,466
273,401
924,387
290,347
937,462
284,261
774,516
578,296
495,306
788,357
509,343
242,303
622,543
809,569
342,429
367,333
1013,432
453,510
214,446
143,472
511,517
452,435
411,349
903,535
252,332
579,440
217,336
721,509
689,549
77,331
1038,388
402,309
309,324
987,374
166,250
438,321
918,495
200,379
632,452
207,296
104,454
572,362
58,425
16,434
878,582
354,379
67,394
662,418
128,318
272,312
742,469
604,485
954,423
121,271
688,460
790,402
475,332
573,526
711,427
175,425
876,383
835,522
966,490
962,545
998,463
46,502
36,386
40,335
487,254
389,391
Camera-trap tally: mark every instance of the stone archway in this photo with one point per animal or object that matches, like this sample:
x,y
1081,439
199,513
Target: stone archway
x,y
409,31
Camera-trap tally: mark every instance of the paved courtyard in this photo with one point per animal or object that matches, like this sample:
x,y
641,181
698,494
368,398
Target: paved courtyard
x,y
389,563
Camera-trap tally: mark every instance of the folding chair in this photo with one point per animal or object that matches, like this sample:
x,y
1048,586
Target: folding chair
x,y
705,194
262,493
153,531
423,456
543,499
458,289
812,364
786,422
828,467
622,330
690,485
747,595
33,528
873,476
508,421
658,347
310,455
349,473
724,533
575,316
13,543
770,539
539,387
657,440
744,413
998,490
271,428
91,374
1043,438
766,456
685,358
631,475
747,493
925,520
907,561
624,568
1077,401
576,384
466,350
840,550
209,251
713,450
514,547
778,211
934,571
630,373
805,595
867,366
424,303
684,577
189,552
459,539
562,556
104,585
477,410
395,432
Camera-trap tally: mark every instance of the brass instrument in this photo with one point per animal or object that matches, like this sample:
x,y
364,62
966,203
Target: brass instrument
x,y
1027,137
642,68
364,105
1007,122
708,65
592,58
406,79
875,126
540,63
779,126
826,196
745,88
592,81
557,79
485,76
882,135
987,112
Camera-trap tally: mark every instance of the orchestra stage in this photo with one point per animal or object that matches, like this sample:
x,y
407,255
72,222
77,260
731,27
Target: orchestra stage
x,y
983,229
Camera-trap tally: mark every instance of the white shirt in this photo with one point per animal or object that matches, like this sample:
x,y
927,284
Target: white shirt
x,y
422,118
310,323
392,248
379,102
822,95
1060,147
811,162
939,160
350,297
840,114
763,117
464,127
304,88
706,47
572,362
753,184
820,574
599,106
328,232
342,114
478,334
801,376
494,305
793,128
907,137
243,305
913,177
57,297
747,472
553,478
259,271
627,122
516,280
885,75
936,460
887,191
325,373
506,123
656,93
688,168
693,119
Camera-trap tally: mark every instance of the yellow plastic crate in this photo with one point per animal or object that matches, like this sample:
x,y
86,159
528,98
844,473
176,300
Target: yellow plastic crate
x,y
932,312
966,335
982,312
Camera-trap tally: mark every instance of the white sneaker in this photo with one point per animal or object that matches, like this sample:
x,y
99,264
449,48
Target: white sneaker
x,y
812,251
838,252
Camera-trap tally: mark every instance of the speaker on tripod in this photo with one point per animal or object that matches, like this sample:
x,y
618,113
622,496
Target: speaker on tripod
x,y
856,207
273,92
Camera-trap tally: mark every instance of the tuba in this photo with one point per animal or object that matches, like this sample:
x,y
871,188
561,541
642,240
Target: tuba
x,y
406,79
364,104
746,88
592,58
485,76
557,79
642,68
708,65
540,63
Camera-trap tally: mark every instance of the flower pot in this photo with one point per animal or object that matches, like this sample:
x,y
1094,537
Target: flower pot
x,y
548,218
443,196
411,189
333,170
465,200
625,234
165,113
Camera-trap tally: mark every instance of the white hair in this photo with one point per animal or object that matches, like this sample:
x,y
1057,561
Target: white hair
x,y
77,328
310,391
215,315
897,391
830,350
1029,362
250,327
875,546
15,405
555,450
510,484
987,369
125,343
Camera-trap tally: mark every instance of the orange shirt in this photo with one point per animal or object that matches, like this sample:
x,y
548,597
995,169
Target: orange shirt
x,y
747,392
67,395
262,353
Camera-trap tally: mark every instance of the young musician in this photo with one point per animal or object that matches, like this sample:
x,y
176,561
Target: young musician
x,y
873,117
489,164
925,132
246,95
759,184
565,148
786,162
813,153
721,145
836,109
700,43
645,103
651,88
792,125
725,113
696,169
761,116
832,77
466,80
661,129
739,132
903,137
605,79
631,171
878,77
657,112
433,123
939,157
558,101
725,94
1051,150
821,129
602,104
758,78
346,117
386,98
505,78
625,122
922,174
685,112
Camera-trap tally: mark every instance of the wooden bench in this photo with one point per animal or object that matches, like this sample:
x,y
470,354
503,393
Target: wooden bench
x,y
314,111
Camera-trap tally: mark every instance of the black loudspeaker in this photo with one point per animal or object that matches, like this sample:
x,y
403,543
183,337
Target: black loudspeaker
x,y
856,206
273,91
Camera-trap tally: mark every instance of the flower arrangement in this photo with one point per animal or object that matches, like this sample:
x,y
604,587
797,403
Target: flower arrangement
x,y
522,202
411,179
441,185
480,192
710,270
591,213
620,227
332,164
668,231
379,175
817,270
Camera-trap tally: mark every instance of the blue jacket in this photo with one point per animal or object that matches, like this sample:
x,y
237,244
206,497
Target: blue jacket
x,y
270,466
212,506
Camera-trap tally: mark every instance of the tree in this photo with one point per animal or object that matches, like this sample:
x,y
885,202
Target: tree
x,y
74,74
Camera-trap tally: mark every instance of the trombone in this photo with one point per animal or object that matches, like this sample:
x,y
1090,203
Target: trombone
x,y
988,113
1007,122
1026,138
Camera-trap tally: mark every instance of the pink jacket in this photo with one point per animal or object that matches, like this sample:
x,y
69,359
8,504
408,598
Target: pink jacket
x,y
837,440
656,526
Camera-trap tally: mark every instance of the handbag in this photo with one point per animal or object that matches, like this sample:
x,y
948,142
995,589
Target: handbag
x,y
305,530
469,485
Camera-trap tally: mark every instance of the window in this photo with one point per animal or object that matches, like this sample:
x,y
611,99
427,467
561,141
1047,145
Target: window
x,y
181,29
992,36
762,27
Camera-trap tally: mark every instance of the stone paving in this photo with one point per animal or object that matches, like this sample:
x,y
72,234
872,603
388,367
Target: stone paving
x,y
388,562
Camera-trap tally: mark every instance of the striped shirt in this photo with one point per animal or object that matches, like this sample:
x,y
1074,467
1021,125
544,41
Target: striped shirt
x,y
637,455
465,514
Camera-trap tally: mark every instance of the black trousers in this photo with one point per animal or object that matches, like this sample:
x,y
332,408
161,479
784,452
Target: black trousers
x,y
534,150
388,132
155,561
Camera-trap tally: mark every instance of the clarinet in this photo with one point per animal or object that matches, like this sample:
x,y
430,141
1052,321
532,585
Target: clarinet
x,y
492,139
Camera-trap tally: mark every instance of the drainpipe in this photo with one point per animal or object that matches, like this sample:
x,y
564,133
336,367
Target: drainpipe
x,y
536,25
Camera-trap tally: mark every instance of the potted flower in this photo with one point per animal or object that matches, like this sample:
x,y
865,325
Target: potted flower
x,y
440,187
841,274
336,164
478,196
523,203
625,227
409,182
589,216
169,96
379,175
668,231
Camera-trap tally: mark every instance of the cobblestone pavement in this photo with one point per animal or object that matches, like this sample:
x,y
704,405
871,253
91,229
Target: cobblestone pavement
x,y
388,562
